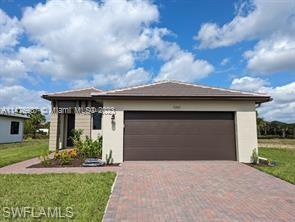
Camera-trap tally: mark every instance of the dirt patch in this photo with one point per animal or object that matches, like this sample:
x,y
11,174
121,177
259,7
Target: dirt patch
x,y
277,143
53,163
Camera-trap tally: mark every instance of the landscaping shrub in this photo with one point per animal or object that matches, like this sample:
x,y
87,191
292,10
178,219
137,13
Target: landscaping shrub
x,y
254,157
45,158
76,138
109,158
88,148
91,148
65,158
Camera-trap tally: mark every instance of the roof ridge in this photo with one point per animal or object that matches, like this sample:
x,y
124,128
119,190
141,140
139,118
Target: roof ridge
x,y
74,90
217,88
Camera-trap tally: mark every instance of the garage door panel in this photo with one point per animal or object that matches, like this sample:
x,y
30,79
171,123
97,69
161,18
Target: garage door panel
x,y
179,136
175,140
171,127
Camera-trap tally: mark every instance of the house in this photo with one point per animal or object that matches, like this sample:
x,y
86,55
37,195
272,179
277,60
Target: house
x,y
44,131
166,120
11,127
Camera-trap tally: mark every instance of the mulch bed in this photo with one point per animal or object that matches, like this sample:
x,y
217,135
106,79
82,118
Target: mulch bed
x,y
260,164
56,164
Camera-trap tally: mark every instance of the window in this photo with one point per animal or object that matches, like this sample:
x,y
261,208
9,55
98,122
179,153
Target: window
x,y
97,120
14,128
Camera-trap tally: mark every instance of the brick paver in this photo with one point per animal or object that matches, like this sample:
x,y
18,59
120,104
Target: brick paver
x,y
199,191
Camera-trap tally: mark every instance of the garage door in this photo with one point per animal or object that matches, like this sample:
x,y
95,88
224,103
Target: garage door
x,y
179,136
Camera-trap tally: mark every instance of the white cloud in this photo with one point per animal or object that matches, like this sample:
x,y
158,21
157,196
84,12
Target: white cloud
x,y
247,83
10,30
12,69
179,64
272,55
282,107
131,78
272,23
89,37
224,61
19,96
93,43
184,67
257,19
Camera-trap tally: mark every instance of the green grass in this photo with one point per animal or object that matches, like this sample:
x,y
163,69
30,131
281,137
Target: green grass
x,y
285,159
87,194
16,152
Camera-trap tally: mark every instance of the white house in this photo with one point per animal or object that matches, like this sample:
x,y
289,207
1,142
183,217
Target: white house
x,y
11,127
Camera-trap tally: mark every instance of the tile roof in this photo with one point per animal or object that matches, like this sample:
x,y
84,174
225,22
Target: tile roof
x,y
162,90
178,89
14,115
83,93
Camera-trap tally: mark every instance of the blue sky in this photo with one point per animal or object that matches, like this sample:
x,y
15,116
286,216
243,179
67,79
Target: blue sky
x,y
55,45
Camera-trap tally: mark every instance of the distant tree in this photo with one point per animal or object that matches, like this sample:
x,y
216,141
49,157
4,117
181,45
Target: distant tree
x,y
47,125
32,124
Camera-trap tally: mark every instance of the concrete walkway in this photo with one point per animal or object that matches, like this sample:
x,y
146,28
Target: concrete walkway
x,y
198,191
21,167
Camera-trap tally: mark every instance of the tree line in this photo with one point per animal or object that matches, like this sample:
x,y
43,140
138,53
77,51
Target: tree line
x,y
274,129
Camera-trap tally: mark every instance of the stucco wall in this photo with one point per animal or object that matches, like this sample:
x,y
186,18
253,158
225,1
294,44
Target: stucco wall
x,y
53,132
246,139
82,121
5,124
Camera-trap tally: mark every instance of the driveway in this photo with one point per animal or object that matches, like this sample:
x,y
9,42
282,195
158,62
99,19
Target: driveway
x,y
198,191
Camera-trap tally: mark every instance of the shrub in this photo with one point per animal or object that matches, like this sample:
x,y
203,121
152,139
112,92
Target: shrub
x,y
76,138
91,148
73,153
45,161
56,155
109,158
254,157
88,148
65,158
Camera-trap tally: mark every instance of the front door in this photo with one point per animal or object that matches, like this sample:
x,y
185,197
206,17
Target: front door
x,y
71,126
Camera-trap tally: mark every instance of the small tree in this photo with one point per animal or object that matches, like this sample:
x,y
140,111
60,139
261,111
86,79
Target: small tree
x,y
32,124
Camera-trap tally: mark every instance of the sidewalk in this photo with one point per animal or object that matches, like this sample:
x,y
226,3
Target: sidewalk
x,y
21,167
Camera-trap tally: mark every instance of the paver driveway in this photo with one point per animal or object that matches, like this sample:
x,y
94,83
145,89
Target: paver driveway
x,y
199,191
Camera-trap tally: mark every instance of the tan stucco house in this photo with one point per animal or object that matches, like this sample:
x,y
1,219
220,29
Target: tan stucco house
x,y
166,120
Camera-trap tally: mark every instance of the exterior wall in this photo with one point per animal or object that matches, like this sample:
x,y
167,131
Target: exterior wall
x,y
53,132
5,124
247,135
83,121
58,125
113,133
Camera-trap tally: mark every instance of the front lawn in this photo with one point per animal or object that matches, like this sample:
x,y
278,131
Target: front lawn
x,y
16,152
285,159
85,195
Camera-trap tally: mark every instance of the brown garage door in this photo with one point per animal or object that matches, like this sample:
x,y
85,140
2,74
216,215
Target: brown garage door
x,y
179,136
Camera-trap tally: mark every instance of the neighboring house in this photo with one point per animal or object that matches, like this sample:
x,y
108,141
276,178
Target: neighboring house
x,y
11,127
43,131
166,120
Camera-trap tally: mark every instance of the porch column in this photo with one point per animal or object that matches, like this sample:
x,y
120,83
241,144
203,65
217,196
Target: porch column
x,y
53,130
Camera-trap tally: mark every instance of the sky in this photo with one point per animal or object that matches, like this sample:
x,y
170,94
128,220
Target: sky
x,y
49,46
